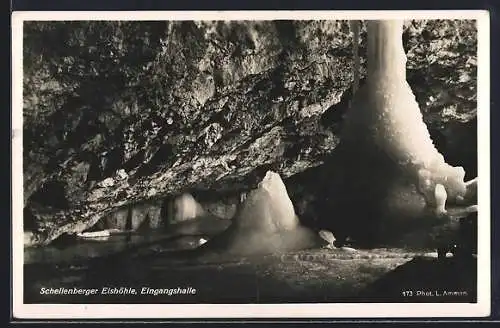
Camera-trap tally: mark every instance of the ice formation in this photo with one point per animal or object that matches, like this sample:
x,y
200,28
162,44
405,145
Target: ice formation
x,y
185,207
386,115
327,236
440,196
268,207
471,193
265,223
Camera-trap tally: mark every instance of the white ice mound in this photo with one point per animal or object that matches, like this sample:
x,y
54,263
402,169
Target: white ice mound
x,y
268,207
185,207
265,223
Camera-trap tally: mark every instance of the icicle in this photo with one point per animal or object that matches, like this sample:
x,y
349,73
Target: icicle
x,y
355,28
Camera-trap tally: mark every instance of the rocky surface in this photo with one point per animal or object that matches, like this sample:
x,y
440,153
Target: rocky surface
x,y
118,113
315,276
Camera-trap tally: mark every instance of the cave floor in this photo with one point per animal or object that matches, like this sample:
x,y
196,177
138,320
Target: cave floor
x,y
316,275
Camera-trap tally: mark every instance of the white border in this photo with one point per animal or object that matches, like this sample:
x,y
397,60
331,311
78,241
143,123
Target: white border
x,y
325,310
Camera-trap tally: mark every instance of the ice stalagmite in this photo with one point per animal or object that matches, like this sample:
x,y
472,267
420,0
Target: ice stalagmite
x,y
185,208
265,223
391,167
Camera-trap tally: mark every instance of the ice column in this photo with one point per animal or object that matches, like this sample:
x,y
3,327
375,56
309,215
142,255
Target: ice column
x,y
392,116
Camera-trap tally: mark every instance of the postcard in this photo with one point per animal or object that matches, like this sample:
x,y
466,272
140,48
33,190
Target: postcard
x,y
250,164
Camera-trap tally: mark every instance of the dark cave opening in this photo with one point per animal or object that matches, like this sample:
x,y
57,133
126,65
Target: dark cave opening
x,y
52,194
29,220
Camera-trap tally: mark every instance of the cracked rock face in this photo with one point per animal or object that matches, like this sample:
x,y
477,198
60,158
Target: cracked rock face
x,y
118,113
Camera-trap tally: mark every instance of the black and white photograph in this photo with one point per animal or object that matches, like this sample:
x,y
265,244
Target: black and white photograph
x,y
251,164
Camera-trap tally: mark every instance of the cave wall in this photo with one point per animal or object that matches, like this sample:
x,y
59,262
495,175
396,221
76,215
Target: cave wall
x,y
117,113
